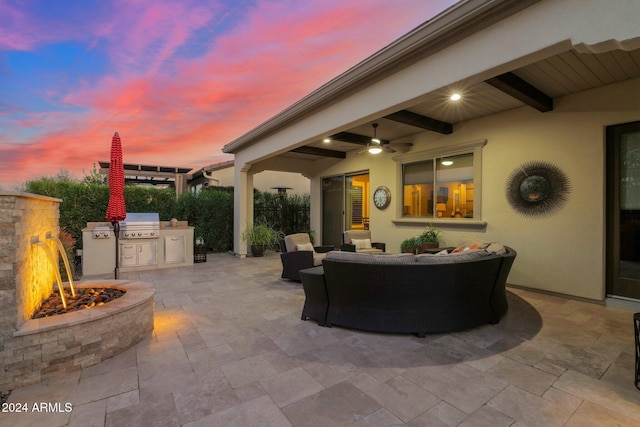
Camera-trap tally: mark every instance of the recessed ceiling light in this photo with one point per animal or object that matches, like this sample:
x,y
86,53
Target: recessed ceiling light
x,y
326,140
447,162
455,97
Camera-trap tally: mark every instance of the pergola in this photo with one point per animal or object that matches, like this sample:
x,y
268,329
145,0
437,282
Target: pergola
x,y
165,176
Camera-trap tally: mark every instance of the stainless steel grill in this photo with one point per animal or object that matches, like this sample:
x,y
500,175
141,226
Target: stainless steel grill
x,y
140,226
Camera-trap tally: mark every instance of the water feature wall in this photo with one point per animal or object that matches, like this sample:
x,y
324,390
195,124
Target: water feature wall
x,y
34,350
26,274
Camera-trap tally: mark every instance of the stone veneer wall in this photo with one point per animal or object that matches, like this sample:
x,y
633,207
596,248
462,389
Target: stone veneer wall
x,y
53,346
34,350
26,274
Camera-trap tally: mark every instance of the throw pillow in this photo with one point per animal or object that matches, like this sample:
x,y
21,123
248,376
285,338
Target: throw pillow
x,y
497,248
304,247
465,248
361,243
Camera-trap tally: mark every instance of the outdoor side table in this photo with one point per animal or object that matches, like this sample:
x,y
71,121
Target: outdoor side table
x,y
200,253
636,329
316,302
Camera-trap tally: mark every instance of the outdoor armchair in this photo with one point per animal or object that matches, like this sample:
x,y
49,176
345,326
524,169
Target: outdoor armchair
x,y
360,241
298,253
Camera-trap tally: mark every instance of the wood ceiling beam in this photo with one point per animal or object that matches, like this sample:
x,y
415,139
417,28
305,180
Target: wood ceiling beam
x,y
522,90
355,138
418,120
320,152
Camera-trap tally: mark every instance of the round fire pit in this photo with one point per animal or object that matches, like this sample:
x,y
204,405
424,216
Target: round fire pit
x,y
85,298
81,338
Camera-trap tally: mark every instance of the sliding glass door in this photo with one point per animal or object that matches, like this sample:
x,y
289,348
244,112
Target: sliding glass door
x,y
345,205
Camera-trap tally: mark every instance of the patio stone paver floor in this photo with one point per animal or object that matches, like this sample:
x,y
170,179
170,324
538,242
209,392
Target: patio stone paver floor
x,y
229,349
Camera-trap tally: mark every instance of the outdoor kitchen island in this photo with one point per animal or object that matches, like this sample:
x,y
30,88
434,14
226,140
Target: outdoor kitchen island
x,y
145,243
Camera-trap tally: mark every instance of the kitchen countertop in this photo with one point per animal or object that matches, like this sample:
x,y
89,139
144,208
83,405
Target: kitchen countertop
x,y
163,225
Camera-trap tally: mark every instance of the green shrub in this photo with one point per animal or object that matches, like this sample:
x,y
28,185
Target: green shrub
x,y
210,212
87,202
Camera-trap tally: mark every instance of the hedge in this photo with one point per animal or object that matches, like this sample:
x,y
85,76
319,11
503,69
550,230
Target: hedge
x,y
210,211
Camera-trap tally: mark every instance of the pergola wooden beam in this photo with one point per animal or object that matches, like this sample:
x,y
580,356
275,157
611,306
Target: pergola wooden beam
x,y
320,152
420,121
355,138
522,90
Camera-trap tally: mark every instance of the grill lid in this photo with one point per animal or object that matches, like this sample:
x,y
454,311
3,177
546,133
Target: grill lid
x,y
141,219
140,225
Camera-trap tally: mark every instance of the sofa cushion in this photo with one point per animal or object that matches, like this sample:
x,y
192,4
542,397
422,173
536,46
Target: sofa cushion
x,y
451,258
350,256
367,258
395,259
496,248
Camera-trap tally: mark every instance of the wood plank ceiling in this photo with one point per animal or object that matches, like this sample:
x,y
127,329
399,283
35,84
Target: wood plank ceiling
x,y
535,85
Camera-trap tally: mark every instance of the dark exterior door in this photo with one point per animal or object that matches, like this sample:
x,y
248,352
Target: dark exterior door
x,y
623,210
332,210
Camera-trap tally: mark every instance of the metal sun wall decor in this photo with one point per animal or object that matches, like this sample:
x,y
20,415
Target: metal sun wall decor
x,y
537,188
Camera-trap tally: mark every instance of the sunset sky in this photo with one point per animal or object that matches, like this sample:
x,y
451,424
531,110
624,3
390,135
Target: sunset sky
x,y
178,79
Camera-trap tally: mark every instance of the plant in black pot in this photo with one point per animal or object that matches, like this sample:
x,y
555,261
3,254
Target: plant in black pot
x,y
260,236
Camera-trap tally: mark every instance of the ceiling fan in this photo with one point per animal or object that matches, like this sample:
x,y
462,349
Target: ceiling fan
x,y
376,145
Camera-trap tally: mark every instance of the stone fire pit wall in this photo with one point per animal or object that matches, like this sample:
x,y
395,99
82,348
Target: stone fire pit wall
x,y
36,350
52,346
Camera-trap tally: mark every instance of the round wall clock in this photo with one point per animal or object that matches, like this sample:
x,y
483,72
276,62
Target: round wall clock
x,y
381,197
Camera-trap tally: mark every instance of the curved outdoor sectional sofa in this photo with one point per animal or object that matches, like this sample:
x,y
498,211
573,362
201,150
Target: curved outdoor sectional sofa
x,y
409,293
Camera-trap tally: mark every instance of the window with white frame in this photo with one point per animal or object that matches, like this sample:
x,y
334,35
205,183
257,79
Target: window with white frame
x,y
442,183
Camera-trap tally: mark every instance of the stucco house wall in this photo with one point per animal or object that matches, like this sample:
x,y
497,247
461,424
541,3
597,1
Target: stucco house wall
x,y
561,253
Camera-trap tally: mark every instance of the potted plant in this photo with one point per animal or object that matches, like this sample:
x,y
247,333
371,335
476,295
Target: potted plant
x,y
429,239
260,236
409,245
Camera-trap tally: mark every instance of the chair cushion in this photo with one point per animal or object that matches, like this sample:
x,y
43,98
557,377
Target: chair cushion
x,y
317,258
292,240
349,235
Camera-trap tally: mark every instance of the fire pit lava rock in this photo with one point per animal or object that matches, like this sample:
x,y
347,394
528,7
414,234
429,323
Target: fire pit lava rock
x,y
85,298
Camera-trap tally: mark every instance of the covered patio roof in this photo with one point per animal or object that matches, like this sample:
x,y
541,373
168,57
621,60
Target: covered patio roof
x,y
535,80
502,56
